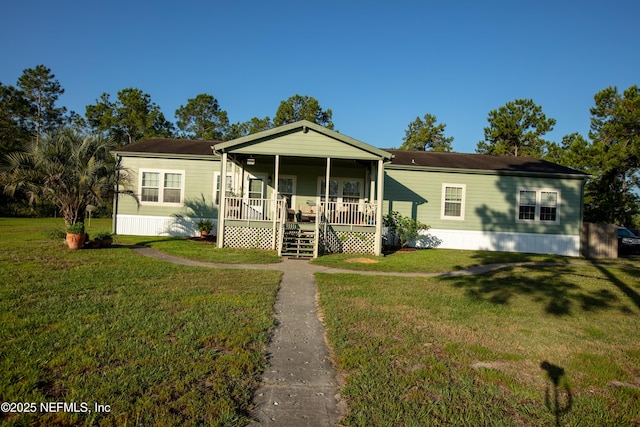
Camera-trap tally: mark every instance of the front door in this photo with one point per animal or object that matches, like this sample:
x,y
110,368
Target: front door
x,y
255,196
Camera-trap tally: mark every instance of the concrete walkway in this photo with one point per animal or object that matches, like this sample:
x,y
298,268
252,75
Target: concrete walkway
x,y
300,387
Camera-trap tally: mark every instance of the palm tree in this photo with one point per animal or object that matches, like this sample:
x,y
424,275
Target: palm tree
x,y
67,169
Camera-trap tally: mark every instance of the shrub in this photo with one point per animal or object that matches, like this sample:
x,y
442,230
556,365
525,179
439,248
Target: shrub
x,y
404,227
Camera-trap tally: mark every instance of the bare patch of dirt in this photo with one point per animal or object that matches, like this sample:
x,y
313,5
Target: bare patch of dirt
x,y
363,260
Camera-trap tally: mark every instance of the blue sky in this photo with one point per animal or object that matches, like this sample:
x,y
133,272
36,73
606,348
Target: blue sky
x,y
376,65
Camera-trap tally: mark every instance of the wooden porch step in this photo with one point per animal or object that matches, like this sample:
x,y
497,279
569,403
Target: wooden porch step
x,y
298,243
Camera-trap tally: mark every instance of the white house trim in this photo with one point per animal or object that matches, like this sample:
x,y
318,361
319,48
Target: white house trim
x,y
567,245
145,225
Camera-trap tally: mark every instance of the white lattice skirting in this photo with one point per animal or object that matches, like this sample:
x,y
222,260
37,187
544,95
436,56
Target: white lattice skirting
x,y
248,237
348,242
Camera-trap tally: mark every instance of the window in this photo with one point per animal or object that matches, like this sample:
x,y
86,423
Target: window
x,y
538,206
351,191
342,190
286,188
453,196
162,187
172,188
217,176
333,189
527,209
150,187
548,206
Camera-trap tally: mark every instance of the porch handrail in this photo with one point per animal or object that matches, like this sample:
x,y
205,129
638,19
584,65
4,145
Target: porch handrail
x,y
349,213
239,208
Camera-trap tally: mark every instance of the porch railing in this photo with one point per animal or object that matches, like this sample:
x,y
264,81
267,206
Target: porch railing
x,y
349,213
253,209
336,213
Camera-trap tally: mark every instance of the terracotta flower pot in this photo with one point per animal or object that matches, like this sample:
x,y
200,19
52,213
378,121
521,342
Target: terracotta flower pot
x,y
75,241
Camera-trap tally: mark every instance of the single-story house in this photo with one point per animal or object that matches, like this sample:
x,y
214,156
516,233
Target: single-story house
x,y
269,190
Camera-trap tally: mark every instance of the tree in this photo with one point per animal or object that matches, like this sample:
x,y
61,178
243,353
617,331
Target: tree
x,y
299,107
615,132
516,129
131,118
66,169
14,111
255,125
426,135
202,118
41,91
574,151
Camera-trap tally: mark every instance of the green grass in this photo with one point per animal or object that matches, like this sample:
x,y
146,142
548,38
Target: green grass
x,y
179,345
206,251
158,343
472,350
194,249
429,260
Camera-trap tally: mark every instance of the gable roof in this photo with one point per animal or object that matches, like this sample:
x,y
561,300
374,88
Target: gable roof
x,y
479,162
334,143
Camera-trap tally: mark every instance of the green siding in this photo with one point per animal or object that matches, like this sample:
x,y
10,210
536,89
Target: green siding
x,y
198,175
490,201
310,144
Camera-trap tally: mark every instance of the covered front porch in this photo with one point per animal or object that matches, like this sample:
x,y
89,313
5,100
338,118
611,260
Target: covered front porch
x,y
327,227
301,190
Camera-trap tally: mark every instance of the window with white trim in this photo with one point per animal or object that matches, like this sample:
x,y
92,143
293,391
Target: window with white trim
x,y
161,187
217,182
342,190
538,205
453,198
287,188
333,189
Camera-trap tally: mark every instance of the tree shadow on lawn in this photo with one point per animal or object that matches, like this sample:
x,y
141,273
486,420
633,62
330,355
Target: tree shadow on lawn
x,y
624,288
546,285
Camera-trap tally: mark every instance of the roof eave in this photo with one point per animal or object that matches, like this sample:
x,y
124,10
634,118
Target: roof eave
x,y
147,154
581,176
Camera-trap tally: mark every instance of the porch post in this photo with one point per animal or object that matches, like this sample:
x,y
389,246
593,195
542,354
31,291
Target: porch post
x,y
274,202
380,197
326,180
223,202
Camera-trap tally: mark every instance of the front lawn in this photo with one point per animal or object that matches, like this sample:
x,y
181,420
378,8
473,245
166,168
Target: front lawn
x,y
152,341
429,260
544,345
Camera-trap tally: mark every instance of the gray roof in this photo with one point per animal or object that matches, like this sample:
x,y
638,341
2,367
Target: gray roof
x,y
401,158
170,146
430,159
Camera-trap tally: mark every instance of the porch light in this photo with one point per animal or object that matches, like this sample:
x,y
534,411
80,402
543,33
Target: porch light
x,y
251,161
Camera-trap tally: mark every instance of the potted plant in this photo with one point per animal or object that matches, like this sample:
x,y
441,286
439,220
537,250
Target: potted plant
x,y
205,226
104,239
76,236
